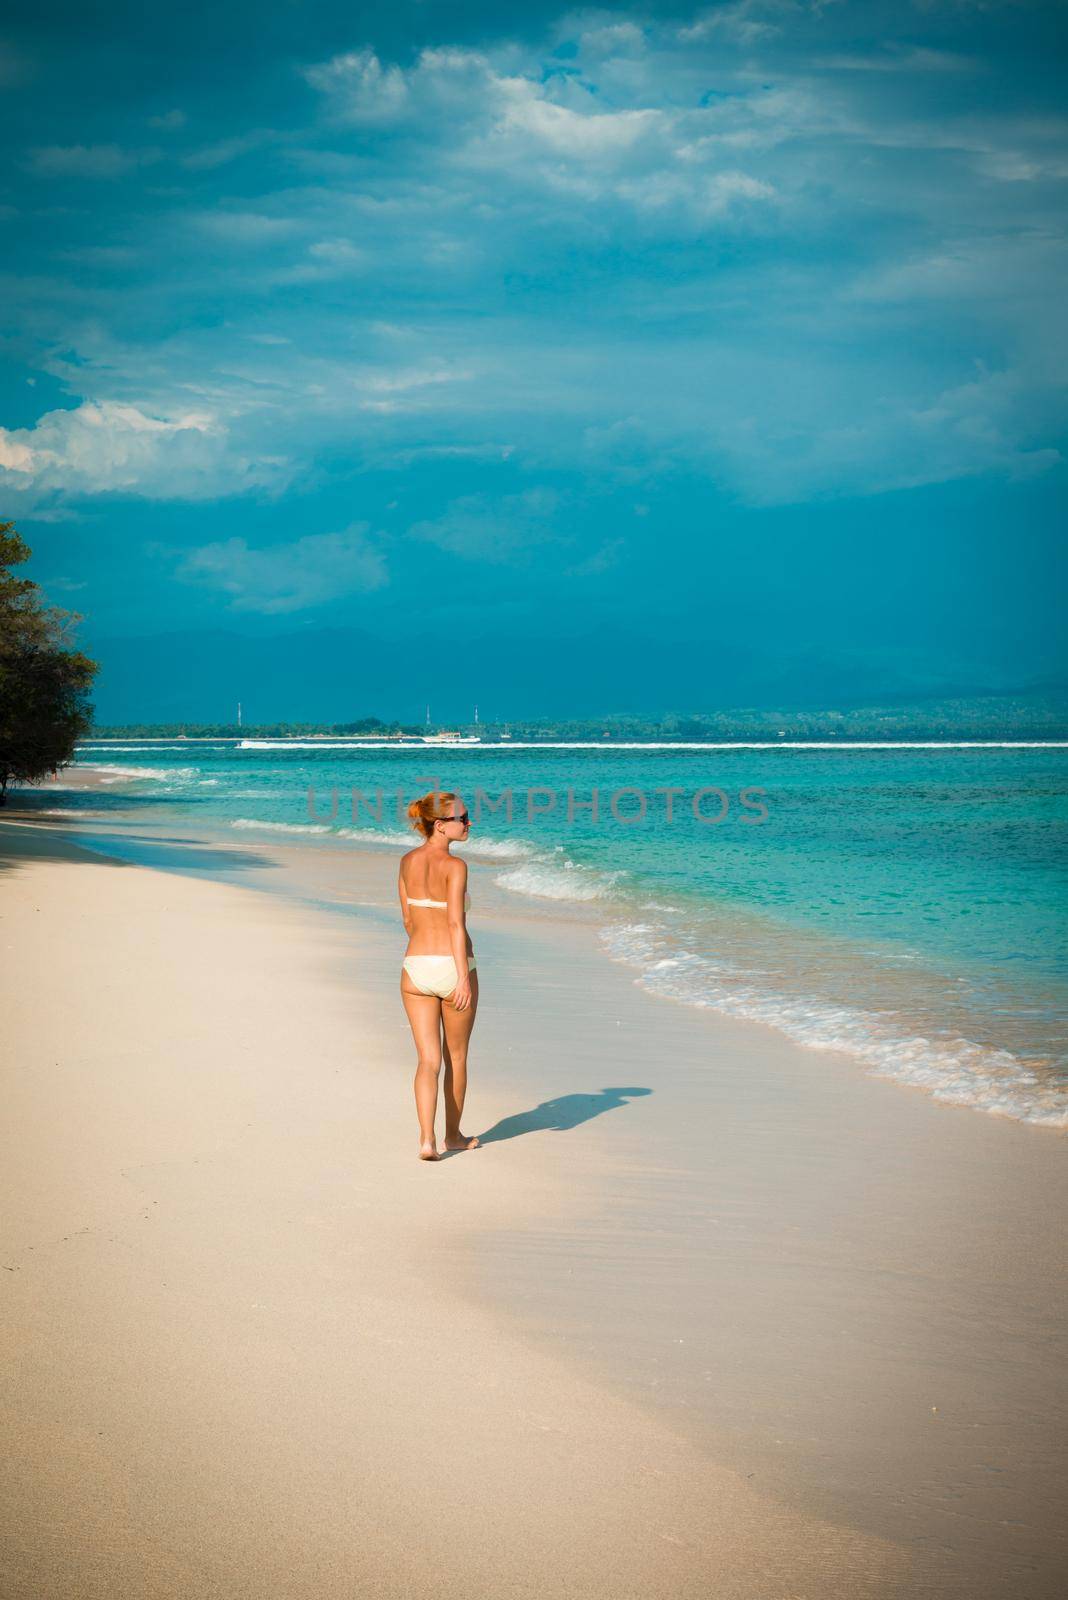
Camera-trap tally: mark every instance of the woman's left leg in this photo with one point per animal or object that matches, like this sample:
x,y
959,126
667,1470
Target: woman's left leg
x,y
457,1027
424,1015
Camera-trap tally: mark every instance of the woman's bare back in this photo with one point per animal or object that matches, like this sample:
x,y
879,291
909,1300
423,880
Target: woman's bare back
x,y
423,878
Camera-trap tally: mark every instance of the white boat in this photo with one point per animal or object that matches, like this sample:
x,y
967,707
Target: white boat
x,y
450,738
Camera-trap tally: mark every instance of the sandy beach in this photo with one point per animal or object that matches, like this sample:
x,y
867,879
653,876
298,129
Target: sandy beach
x,y
707,1314
602,468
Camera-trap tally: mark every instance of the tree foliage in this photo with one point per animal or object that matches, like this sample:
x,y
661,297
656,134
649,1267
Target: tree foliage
x,y
44,681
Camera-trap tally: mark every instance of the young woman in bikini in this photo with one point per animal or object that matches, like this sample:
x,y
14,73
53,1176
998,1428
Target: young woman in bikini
x,y
439,985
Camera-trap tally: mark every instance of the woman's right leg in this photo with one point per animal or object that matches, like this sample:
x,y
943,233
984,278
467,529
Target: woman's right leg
x,y
457,1027
424,1015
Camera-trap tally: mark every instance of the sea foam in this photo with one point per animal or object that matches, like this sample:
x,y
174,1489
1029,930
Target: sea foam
x,y
951,1068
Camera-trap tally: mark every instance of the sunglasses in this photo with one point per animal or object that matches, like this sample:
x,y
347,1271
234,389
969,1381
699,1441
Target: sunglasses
x,y
464,819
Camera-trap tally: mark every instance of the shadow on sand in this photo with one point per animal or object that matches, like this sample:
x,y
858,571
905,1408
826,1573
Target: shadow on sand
x,y
101,848
566,1112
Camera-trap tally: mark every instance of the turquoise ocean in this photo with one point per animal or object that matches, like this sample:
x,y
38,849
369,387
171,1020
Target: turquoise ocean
x,y
903,904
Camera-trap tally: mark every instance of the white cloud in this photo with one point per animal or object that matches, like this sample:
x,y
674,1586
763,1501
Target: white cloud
x,y
361,88
281,578
707,196
400,380
327,259
898,59
978,269
108,447
480,527
644,145
826,444
249,228
489,451
746,22
222,151
612,39
87,160
575,135
599,561
103,255
773,239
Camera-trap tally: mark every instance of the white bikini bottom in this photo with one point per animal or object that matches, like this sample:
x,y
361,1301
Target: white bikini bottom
x,y
434,974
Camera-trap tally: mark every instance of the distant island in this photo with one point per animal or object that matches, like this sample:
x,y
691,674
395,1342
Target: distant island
x,y
1031,716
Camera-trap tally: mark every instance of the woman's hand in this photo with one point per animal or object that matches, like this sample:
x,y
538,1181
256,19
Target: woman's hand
x,y
461,995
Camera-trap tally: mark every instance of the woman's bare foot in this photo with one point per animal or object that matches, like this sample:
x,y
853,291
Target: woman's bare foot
x,y
460,1141
428,1152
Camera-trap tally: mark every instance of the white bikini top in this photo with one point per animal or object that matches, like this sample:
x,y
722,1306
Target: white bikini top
x,y
442,904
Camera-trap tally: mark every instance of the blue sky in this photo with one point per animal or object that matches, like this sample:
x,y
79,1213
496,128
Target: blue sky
x,y
627,358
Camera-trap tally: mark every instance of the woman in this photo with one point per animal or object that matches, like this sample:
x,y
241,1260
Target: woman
x,y
439,985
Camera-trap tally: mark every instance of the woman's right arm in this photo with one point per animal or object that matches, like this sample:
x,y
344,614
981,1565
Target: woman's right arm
x,y
455,892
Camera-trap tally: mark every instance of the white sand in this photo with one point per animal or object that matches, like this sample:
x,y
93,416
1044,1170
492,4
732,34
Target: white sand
x,y
254,1347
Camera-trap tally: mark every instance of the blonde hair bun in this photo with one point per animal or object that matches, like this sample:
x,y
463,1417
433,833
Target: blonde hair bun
x,y
428,809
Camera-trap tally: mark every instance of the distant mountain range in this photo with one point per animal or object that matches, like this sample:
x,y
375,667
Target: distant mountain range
x,y
1037,715
323,677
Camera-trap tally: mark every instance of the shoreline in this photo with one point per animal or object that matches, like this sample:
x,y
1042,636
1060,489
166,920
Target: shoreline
x,y
754,1175
959,1032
